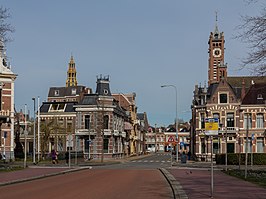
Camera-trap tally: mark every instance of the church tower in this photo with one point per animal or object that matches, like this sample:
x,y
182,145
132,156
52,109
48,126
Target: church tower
x,y
71,73
217,69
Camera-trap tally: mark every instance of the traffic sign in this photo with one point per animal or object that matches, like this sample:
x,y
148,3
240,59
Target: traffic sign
x,y
70,141
171,139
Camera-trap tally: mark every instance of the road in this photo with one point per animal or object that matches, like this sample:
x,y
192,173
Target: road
x,y
135,179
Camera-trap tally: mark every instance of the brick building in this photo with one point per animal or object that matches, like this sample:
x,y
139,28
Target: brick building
x,y
7,83
234,101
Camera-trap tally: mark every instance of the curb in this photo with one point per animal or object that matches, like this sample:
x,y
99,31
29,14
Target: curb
x,y
176,187
43,176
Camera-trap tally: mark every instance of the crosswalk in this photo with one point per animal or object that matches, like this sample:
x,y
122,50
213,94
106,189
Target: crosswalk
x,y
151,161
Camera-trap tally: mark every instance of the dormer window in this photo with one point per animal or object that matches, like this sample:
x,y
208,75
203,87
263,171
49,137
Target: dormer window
x,y
259,97
223,98
57,107
105,91
74,91
56,92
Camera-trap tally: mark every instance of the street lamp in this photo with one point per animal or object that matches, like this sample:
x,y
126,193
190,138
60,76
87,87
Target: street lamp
x,y
34,132
176,120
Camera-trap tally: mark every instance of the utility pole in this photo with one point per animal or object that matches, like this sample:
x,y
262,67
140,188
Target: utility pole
x,y
34,132
155,138
39,129
226,147
246,153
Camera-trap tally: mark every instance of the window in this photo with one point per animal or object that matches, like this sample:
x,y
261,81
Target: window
x,y
203,146
216,115
259,120
247,121
259,96
87,145
106,122
57,107
223,98
247,148
202,120
56,92
260,145
74,91
105,145
230,120
87,121
69,126
215,148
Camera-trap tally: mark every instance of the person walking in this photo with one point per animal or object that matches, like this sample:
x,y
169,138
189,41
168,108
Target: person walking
x,y
53,154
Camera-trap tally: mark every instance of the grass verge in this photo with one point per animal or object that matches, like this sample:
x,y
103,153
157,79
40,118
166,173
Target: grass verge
x,y
255,176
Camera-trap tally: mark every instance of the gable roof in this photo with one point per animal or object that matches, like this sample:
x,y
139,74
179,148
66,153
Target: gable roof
x,y
237,83
256,94
65,91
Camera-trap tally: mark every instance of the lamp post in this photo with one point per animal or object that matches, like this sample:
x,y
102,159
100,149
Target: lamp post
x,y
34,132
38,142
176,120
155,139
25,138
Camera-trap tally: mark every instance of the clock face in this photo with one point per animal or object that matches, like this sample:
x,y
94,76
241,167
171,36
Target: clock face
x,y
217,52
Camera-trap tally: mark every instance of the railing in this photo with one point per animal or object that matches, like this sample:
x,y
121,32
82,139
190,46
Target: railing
x,y
85,132
228,129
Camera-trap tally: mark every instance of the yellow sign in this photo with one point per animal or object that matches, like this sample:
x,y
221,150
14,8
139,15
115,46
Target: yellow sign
x,y
211,126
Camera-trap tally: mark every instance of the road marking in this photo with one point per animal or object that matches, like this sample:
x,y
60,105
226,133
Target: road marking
x,y
151,161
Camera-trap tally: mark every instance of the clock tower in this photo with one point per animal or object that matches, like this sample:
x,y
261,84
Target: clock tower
x,y
217,69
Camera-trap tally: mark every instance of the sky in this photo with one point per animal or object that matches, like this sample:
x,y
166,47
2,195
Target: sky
x,y
140,44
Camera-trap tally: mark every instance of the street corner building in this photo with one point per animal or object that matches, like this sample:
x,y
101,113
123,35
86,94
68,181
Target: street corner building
x,y
7,83
238,102
96,125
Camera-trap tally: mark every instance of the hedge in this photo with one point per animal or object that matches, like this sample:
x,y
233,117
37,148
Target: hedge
x,y
233,158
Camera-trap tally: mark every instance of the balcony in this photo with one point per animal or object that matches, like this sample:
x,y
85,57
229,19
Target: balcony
x,y
107,132
85,132
116,133
230,130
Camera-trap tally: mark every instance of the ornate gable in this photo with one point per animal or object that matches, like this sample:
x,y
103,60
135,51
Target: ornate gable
x,y
222,94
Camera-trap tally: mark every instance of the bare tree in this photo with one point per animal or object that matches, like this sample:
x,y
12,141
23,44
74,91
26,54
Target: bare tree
x,y
5,27
253,32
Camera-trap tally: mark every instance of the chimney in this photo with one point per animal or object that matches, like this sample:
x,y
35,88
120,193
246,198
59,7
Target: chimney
x,y
243,90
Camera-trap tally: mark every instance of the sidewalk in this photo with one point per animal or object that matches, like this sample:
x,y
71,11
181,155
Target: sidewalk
x,y
193,181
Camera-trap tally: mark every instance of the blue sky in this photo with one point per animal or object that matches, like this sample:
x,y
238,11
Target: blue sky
x,y
141,44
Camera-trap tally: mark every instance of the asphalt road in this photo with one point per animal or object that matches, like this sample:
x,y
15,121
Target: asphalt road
x,y
135,179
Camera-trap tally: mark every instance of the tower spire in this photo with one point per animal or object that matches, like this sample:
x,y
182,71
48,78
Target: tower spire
x,y
71,73
216,30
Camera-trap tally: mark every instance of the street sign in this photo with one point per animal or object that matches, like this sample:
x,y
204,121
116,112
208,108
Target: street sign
x,y
171,139
211,126
70,141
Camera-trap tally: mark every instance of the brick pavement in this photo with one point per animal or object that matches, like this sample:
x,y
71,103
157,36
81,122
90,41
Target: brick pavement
x,y
34,172
196,183
191,180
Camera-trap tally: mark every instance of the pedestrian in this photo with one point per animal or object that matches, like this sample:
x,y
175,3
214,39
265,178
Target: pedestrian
x,y
56,157
66,157
53,154
1,156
